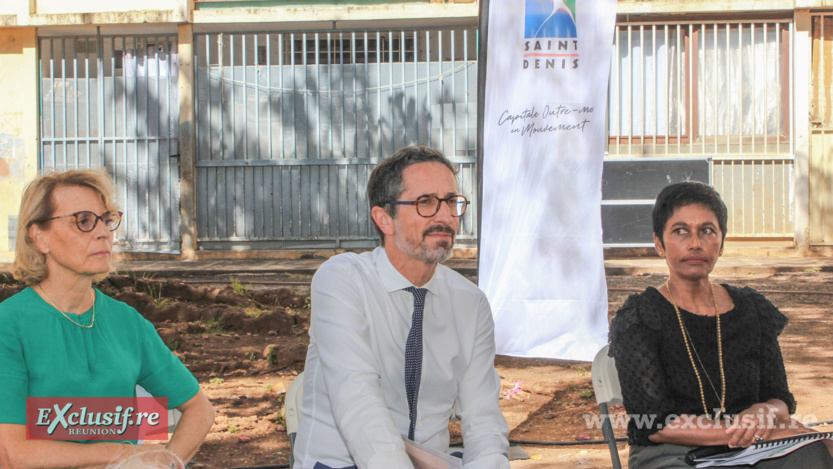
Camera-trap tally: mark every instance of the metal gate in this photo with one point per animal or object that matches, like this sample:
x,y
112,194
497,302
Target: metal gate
x,y
289,126
112,102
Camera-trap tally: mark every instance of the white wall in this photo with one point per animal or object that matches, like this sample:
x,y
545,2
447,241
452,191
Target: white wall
x,y
49,7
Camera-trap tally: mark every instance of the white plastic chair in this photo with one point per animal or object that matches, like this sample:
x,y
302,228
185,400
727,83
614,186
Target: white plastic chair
x,y
173,414
292,411
608,392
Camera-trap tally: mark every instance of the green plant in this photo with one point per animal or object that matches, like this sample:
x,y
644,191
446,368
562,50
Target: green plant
x,y
216,325
253,312
582,371
280,417
155,292
252,356
272,354
216,380
161,302
586,394
813,269
143,276
173,344
238,287
308,303
233,428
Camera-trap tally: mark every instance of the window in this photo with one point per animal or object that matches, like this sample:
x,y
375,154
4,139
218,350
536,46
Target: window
x,y
723,86
341,49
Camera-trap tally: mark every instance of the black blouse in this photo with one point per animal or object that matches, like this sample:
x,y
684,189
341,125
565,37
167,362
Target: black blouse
x,y
655,371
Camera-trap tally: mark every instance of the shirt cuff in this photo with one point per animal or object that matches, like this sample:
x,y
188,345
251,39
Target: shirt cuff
x,y
389,459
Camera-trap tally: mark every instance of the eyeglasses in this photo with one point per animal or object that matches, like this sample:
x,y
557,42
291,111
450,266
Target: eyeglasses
x,y
86,221
428,205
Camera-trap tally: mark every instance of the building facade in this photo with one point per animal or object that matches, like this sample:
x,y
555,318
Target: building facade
x,y
254,124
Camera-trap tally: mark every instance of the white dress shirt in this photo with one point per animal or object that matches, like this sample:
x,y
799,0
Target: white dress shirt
x,y
355,410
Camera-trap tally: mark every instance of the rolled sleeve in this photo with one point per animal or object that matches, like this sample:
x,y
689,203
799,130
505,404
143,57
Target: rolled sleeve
x,y
483,426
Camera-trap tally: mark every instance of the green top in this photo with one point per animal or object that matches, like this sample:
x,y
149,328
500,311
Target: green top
x,y
43,354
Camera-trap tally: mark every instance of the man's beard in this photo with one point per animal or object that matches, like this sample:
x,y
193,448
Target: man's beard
x,y
420,249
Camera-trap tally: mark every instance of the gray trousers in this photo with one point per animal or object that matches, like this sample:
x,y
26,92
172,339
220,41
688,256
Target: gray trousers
x,y
667,456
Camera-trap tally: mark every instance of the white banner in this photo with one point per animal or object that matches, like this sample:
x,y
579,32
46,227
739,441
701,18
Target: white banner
x,y
541,260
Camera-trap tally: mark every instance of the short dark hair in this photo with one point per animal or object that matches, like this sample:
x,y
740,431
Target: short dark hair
x,y
385,182
687,193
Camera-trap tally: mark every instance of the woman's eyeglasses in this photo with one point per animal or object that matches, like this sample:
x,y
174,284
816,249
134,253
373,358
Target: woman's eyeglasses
x,y
86,221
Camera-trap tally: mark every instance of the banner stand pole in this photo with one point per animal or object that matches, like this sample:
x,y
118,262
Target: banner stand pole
x,y
481,110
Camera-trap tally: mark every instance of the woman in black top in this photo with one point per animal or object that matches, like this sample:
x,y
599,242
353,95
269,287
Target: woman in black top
x,y
700,363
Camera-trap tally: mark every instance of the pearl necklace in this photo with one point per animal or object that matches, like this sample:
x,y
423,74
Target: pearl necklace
x,y
49,300
691,357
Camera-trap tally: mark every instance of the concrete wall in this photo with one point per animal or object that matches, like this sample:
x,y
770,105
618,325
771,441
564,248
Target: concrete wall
x,y
51,7
18,124
330,16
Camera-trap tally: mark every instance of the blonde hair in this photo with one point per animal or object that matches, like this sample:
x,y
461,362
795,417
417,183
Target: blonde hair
x,y
37,205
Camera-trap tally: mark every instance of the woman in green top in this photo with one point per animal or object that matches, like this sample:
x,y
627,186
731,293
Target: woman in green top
x,y
60,337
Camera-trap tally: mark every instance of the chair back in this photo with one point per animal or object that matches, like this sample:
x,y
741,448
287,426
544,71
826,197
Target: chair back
x,y
292,412
605,379
608,392
173,414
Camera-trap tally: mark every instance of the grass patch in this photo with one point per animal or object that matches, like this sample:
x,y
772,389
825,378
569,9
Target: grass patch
x,y
238,286
216,325
252,311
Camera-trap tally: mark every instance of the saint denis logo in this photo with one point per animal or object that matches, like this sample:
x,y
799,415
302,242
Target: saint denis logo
x,y
97,418
550,31
550,19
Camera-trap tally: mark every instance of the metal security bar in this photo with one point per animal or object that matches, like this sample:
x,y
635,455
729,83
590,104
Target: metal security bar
x,y
112,102
289,126
719,90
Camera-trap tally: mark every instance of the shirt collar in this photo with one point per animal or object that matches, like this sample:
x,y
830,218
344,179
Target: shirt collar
x,y
392,280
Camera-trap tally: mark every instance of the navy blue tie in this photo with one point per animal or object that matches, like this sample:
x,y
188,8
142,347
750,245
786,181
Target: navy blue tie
x,y
413,357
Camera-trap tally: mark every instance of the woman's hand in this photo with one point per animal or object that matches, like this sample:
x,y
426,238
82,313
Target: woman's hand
x,y
152,455
757,423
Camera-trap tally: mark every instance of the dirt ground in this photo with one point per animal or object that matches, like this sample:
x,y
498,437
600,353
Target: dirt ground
x,y
245,338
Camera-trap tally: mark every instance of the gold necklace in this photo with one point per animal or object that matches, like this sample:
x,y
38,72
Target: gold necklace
x,y
691,357
49,300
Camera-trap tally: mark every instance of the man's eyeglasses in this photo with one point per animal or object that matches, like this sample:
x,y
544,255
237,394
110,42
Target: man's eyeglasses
x,y
86,221
428,205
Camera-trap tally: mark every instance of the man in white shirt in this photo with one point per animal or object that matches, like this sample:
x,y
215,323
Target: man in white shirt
x,y
372,310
